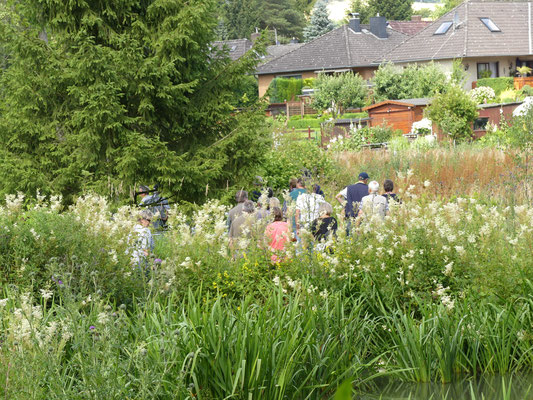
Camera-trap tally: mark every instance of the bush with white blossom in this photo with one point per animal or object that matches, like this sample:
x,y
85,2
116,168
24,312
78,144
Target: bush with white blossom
x,y
482,94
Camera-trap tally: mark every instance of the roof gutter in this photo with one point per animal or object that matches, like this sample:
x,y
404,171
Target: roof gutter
x,y
529,24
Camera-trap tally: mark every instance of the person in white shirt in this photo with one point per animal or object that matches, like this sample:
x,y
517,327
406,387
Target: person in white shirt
x,y
307,208
143,240
373,204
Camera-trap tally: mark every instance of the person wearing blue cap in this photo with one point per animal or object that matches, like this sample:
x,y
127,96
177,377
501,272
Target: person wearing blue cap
x,y
354,195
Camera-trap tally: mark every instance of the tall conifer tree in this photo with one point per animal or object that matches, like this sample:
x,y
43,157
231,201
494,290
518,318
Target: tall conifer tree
x,y
123,92
320,22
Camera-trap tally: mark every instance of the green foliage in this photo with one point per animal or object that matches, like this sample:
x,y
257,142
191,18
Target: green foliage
x,y
415,81
446,7
453,112
362,8
282,15
239,18
284,89
498,84
320,23
526,91
246,94
486,74
304,123
392,9
122,94
338,92
524,70
287,159
509,96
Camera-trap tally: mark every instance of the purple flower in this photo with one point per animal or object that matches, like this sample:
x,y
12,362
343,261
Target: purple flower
x,y
60,282
158,261
92,328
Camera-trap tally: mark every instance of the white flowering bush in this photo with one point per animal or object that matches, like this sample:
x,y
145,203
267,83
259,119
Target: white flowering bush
x,y
422,127
482,94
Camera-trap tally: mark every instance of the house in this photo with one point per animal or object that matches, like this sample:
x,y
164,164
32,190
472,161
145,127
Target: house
x,y
236,48
397,114
491,38
352,47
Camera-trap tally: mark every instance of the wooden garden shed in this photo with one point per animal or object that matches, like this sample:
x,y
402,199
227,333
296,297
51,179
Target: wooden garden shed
x,y
397,114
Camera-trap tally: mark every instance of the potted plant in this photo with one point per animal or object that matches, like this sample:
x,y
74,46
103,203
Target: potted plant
x,y
524,79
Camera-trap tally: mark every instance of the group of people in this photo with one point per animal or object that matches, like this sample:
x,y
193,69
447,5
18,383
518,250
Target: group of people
x,y
303,210
273,223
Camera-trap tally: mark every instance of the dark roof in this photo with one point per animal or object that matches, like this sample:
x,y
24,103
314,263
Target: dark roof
x,y
279,50
424,101
470,37
236,48
493,105
340,48
408,28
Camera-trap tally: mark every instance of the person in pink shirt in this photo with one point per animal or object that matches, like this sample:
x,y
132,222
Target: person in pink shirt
x,y
277,233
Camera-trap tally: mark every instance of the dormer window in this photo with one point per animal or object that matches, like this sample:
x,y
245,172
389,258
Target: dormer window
x,y
443,28
490,25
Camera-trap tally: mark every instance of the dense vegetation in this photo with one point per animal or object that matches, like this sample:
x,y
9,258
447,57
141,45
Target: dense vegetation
x,y
441,289
101,96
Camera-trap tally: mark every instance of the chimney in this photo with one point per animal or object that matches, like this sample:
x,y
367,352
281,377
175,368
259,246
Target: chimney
x,y
355,22
254,36
416,18
294,40
378,26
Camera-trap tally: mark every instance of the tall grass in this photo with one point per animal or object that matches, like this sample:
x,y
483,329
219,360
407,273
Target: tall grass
x,y
464,171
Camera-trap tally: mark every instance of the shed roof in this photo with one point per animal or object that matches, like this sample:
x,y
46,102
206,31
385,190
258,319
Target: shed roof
x,y
404,102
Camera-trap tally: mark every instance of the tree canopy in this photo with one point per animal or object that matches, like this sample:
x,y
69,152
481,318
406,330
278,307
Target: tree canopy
x,y
320,23
391,9
240,18
120,93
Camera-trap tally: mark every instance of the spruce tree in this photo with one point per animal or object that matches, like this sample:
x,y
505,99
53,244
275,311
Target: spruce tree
x,y
123,92
320,23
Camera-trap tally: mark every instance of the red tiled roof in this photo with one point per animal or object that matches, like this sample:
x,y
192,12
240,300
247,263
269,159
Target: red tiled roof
x,y
408,27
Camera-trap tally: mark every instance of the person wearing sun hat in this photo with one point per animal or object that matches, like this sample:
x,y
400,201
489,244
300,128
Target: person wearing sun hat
x,y
354,195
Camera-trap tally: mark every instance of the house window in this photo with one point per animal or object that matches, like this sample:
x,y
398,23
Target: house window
x,y
490,25
290,76
480,124
443,28
488,70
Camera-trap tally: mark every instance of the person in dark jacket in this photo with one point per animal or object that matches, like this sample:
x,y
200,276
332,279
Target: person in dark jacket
x,y
325,224
353,195
388,187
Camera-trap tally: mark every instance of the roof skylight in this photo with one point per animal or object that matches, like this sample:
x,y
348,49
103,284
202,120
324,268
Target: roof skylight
x,y
443,28
490,25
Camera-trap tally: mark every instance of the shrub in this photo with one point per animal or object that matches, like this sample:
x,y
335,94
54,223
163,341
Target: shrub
x,y
453,112
508,96
526,91
392,83
282,89
482,94
287,159
498,84
336,92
